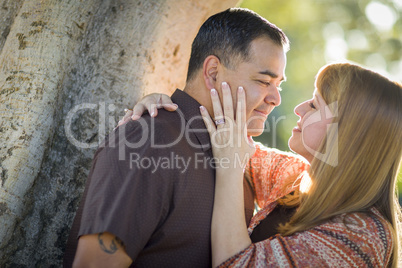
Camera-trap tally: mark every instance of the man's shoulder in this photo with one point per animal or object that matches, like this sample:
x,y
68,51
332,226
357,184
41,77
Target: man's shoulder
x,y
164,118
166,130
163,125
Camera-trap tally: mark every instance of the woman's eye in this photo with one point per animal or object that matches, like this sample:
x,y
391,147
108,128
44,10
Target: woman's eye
x,y
312,105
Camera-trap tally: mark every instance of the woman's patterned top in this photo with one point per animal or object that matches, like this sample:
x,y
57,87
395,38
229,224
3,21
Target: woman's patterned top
x,y
348,240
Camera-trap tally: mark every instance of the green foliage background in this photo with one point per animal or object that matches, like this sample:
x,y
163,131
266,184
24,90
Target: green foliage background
x,y
310,25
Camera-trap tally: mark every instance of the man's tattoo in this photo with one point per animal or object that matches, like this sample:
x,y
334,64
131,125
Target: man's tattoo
x,y
113,245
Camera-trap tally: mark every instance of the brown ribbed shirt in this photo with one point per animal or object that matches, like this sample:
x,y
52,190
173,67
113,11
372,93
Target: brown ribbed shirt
x,y
152,185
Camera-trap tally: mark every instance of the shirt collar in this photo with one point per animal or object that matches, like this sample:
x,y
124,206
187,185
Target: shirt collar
x,y
189,108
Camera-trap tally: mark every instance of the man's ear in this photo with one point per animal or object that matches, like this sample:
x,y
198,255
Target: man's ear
x,y
210,71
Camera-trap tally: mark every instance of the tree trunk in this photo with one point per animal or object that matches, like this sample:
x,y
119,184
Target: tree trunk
x,y
68,68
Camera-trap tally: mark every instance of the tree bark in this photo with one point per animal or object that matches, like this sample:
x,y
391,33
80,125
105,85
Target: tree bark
x,y
8,11
68,68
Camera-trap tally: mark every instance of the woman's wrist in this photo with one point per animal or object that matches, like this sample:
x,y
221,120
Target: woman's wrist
x,y
230,162
230,174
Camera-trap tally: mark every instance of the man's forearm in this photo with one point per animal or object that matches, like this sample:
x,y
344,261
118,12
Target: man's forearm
x,y
101,250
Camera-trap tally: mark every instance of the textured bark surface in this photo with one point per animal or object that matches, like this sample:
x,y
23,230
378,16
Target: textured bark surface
x,y
8,11
67,70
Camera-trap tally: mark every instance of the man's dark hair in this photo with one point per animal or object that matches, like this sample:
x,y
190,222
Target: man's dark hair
x,y
228,35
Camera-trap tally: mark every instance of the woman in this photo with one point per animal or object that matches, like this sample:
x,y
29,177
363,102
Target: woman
x,y
346,212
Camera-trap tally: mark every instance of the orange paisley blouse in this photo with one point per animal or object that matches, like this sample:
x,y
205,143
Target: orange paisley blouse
x,y
348,240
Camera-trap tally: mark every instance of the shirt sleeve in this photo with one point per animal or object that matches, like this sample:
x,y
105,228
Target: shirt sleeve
x,y
273,173
125,197
355,241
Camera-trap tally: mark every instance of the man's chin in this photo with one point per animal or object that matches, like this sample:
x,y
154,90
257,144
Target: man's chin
x,y
255,132
255,127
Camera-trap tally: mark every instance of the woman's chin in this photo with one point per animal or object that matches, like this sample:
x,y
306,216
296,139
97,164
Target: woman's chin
x,y
299,149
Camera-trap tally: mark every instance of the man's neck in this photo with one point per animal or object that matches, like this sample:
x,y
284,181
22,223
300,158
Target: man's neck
x,y
200,93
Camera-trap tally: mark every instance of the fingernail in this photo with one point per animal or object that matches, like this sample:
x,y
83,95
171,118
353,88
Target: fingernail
x,y
152,114
135,117
202,108
175,105
224,84
241,89
121,121
213,92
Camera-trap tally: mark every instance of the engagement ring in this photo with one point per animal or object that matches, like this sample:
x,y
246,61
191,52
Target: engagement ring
x,y
220,121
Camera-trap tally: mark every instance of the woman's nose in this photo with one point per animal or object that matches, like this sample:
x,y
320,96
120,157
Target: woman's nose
x,y
300,109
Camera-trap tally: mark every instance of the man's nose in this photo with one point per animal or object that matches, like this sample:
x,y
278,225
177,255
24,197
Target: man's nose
x,y
273,97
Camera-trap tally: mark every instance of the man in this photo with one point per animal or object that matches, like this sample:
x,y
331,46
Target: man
x,y
149,195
